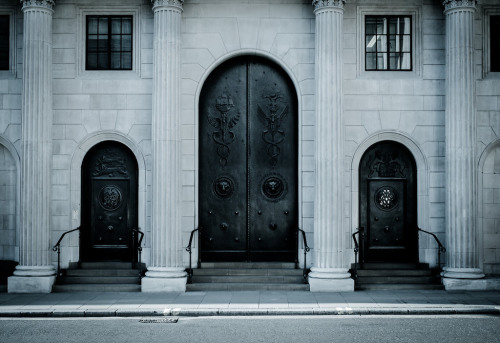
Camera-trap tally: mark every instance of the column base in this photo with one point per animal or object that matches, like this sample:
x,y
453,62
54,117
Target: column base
x,y
463,279
32,279
160,280
330,280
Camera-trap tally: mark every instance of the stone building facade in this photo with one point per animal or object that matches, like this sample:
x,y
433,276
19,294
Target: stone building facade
x,y
405,92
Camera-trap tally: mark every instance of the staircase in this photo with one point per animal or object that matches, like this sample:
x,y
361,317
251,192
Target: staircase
x,y
397,276
99,277
228,276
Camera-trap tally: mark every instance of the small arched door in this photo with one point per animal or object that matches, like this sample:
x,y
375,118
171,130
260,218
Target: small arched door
x,y
109,203
248,199
388,204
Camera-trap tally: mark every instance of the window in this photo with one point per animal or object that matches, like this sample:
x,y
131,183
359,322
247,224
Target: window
x,y
4,42
109,43
388,43
495,43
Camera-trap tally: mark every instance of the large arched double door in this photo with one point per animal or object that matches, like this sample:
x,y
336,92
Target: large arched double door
x,y
388,204
109,203
248,163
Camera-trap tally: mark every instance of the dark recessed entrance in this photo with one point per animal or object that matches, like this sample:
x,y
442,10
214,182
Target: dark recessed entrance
x,y
388,204
248,163
109,203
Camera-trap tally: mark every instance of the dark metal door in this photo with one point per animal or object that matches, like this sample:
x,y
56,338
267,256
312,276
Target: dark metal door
x,y
388,204
109,203
248,163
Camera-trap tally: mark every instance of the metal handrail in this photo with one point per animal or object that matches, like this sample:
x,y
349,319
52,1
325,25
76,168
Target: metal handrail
x,y
189,250
356,250
441,248
306,250
139,248
57,248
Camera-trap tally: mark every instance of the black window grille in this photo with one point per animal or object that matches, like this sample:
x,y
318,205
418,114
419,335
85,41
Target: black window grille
x,y
388,43
109,43
495,43
4,42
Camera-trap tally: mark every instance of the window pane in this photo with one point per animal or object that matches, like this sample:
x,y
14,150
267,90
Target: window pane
x,y
115,43
381,43
91,61
102,43
370,43
103,25
115,60
4,42
370,25
102,61
127,43
381,25
126,60
371,61
92,44
406,46
92,26
116,26
127,25
381,61
495,43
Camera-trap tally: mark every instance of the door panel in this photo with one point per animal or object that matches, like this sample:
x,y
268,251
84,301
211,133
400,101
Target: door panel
x,y
109,203
247,163
388,211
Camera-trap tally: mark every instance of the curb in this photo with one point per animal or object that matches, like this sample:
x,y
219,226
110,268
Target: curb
x,y
224,312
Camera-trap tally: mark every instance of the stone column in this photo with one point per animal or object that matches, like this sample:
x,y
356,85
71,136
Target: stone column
x,y
330,271
461,199
166,272
35,274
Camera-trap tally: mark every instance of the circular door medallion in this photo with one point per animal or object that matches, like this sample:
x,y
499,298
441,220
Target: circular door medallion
x,y
386,198
223,187
274,187
110,198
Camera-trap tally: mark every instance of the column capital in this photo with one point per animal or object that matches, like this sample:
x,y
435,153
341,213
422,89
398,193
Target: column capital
x,y
328,4
41,4
450,5
176,4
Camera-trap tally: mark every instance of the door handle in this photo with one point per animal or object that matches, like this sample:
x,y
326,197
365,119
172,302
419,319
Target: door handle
x,y
223,226
386,229
273,226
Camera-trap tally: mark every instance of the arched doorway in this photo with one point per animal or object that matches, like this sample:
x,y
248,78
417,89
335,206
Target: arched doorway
x,y
248,199
388,204
109,203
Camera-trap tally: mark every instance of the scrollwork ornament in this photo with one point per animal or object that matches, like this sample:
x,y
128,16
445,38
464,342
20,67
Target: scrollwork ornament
x,y
459,4
45,4
321,4
167,3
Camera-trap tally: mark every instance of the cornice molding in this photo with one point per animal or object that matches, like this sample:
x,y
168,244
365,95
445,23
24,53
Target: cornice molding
x,y
44,4
450,5
177,4
324,4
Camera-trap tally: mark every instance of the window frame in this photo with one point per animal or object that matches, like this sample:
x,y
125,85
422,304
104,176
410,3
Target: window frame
x,y
81,46
12,70
414,12
387,52
109,34
487,14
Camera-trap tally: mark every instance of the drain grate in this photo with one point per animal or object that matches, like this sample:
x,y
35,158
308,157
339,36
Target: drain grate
x,y
159,320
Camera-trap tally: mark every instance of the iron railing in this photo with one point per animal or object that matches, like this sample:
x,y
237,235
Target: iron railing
x,y
356,250
306,250
139,247
189,250
57,248
441,248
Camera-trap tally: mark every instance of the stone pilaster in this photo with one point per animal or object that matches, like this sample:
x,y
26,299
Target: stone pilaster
x,y
35,274
330,271
461,197
166,272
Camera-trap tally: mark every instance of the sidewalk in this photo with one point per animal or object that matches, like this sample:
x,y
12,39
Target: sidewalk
x,y
109,304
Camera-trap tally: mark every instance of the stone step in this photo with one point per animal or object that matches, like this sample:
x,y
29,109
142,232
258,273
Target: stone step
x,y
386,266
248,265
96,288
397,287
65,280
102,272
102,265
246,287
394,272
397,280
248,271
247,279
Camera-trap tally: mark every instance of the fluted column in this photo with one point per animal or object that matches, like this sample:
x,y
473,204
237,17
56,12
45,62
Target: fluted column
x,y
35,274
330,271
461,198
166,272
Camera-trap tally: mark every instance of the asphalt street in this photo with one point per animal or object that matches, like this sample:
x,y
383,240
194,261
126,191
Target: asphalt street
x,y
349,328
